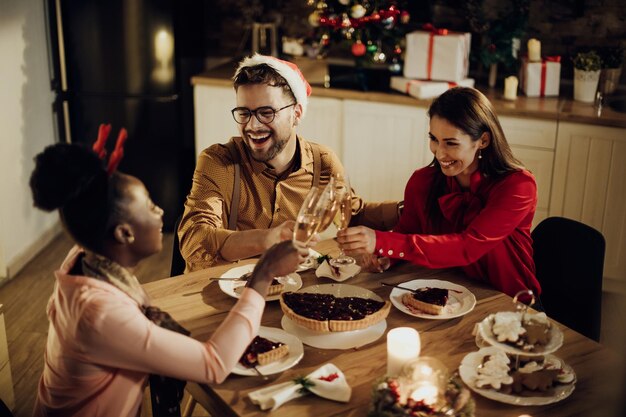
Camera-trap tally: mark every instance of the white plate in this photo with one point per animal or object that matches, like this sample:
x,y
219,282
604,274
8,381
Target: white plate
x,y
310,262
458,304
470,363
556,340
292,282
296,352
337,340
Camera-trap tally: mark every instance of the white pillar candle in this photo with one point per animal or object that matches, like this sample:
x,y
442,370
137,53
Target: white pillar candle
x,y
534,50
510,87
403,345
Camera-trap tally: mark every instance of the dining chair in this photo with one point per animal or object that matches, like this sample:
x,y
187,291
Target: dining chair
x,y
569,260
178,262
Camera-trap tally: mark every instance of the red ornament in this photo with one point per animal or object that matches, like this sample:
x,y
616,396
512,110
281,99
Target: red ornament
x,y
358,48
405,17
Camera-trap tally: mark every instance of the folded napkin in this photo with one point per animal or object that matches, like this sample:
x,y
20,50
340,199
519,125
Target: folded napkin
x,y
327,381
339,274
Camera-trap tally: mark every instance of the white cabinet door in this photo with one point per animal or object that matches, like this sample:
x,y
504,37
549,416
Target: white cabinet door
x,y
533,143
323,122
383,145
590,186
213,120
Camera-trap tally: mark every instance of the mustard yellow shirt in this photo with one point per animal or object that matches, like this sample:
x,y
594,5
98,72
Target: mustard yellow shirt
x,y
267,199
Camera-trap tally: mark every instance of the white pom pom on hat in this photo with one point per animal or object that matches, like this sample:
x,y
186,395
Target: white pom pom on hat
x,y
288,70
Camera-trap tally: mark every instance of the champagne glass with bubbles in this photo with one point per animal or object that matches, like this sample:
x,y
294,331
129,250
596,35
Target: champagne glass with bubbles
x,y
343,196
309,217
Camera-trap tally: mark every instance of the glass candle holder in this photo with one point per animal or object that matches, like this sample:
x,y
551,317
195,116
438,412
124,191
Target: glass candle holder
x,y
424,380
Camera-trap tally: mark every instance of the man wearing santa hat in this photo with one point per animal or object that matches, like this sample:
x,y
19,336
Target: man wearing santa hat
x,y
246,193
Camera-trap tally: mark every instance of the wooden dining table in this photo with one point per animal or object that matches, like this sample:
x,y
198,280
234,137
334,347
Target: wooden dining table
x,y
200,305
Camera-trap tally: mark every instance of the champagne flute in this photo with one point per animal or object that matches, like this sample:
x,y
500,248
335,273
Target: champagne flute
x,y
309,217
344,214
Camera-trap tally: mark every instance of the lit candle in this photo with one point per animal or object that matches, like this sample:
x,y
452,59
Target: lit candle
x,y
534,50
403,345
426,392
510,87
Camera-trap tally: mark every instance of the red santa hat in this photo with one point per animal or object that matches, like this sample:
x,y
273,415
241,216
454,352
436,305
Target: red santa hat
x,y
288,70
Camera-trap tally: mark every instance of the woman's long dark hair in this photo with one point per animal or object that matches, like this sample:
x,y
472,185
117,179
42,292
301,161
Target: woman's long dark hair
x,y
471,112
73,179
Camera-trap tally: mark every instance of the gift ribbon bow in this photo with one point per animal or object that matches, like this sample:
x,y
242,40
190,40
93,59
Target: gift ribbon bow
x,y
544,70
327,382
429,27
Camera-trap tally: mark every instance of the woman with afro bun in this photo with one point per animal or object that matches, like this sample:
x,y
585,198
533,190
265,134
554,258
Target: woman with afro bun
x,y
105,339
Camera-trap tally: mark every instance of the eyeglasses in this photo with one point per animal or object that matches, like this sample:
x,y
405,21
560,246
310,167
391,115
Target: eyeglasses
x,y
264,114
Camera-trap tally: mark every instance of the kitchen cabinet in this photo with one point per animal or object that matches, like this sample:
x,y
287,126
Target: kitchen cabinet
x,y
590,186
533,142
382,145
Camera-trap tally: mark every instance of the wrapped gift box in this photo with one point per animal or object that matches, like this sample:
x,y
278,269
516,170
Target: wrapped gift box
x,y
426,89
541,79
437,55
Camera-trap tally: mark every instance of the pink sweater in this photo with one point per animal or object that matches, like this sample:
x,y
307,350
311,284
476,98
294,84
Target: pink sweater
x,y
101,348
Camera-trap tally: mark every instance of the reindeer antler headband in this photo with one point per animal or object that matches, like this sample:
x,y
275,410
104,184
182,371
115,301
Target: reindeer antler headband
x,y
118,152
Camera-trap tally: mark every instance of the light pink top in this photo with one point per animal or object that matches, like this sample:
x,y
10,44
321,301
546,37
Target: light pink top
x,y
101,348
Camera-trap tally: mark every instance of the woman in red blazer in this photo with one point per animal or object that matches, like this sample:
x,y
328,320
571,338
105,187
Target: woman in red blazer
x,y
471,207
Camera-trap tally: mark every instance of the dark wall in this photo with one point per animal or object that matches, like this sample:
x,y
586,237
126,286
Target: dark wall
x,y
563,26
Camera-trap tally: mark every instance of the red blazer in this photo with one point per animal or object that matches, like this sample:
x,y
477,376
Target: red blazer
x,y
486,230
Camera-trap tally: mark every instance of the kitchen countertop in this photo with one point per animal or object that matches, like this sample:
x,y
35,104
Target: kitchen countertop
x,y
559,108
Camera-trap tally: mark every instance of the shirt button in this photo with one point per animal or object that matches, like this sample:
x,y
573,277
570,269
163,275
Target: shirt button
x,y
380,251
389,252
401,254
277,209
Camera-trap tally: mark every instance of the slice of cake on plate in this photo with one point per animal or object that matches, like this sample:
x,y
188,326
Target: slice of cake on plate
x,y
427,300
262,351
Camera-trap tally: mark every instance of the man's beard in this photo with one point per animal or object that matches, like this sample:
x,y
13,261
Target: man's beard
x,y
268,155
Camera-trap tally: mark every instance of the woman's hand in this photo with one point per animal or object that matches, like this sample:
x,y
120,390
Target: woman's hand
x,y
357,240
279,260
373,263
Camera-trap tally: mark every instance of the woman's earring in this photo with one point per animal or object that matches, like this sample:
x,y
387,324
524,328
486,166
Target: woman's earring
x,y
131,239
480,154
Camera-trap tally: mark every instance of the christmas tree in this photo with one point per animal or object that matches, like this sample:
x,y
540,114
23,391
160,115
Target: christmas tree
x,y
372,30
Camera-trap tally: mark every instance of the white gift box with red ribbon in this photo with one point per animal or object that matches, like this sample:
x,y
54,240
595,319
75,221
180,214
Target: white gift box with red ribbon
x,y
437,54
541,79
426,89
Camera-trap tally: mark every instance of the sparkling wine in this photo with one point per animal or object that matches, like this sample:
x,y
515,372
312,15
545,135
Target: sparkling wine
x,y
328,216
306,227
344,214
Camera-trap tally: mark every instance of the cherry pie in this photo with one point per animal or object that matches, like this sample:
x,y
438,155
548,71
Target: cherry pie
x,y
327,313
262,351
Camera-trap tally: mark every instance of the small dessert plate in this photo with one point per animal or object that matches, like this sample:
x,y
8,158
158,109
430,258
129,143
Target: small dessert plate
x,y
339,274
468,370
292,282
460,300
296,352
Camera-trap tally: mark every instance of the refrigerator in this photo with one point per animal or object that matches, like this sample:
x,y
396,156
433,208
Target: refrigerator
x,y
129,63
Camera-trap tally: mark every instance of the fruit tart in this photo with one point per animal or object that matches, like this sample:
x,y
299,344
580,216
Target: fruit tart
x,y
328,313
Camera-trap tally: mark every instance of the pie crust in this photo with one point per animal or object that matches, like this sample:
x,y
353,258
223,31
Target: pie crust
x,y
408,299
326,310
262,351
424,305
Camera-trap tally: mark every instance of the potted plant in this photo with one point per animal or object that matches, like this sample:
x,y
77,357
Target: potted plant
x,y
612,59
586,75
